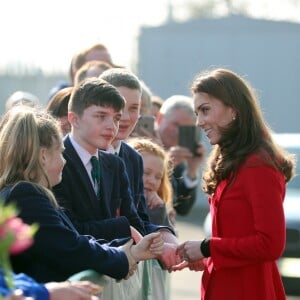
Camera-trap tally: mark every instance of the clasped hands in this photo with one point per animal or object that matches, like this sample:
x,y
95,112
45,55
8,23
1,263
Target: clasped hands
x,y
186,255
147,247
163,246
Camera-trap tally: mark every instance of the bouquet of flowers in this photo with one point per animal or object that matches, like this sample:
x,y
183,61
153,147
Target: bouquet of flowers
x,y
15,237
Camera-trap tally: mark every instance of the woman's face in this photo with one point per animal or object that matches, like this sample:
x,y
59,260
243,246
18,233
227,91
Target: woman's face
x,y
212,115
53,162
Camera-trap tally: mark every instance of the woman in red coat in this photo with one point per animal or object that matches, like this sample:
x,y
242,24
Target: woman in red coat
x,y
245,178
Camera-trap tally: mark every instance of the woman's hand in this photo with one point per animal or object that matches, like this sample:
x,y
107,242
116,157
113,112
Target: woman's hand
x,y
169,257
190,250
196,265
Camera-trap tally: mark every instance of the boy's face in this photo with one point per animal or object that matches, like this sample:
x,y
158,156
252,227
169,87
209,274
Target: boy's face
x,y
131,112
96,128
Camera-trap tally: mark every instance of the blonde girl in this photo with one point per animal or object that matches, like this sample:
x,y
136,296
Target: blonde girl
x,y
157,185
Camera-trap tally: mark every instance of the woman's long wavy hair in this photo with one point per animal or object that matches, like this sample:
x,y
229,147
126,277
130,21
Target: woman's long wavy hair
x,y
247,134
23,132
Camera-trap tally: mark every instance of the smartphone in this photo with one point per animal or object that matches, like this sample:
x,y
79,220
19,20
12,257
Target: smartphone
x,y
189,137
145,122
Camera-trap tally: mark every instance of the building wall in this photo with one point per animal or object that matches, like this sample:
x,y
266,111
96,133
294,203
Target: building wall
x,y
267,53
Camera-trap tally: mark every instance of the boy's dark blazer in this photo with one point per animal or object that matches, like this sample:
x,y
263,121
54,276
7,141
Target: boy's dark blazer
x,y
110,216
135,170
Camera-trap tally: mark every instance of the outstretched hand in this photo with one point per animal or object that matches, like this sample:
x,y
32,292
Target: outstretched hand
x,y
135,234
132,263
196,265
150,246
190,250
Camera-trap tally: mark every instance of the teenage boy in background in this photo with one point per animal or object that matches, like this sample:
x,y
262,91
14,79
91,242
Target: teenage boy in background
x,y
130,88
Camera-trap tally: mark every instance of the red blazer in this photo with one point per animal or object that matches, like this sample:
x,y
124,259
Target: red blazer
x,y
248,236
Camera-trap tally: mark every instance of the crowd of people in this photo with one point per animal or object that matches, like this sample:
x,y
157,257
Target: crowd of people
x,y
105,196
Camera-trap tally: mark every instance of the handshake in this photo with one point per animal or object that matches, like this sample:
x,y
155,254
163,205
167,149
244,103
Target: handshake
x,y
163,245
177,257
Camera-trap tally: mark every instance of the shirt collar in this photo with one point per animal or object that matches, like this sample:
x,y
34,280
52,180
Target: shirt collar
x,y
115,150
84,155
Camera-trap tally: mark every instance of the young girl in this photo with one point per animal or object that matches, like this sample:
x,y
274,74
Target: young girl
x,y
31,163
157,185
158,193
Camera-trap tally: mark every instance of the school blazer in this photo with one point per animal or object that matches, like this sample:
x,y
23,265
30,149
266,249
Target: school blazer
x,y
110,216
135,170
248,236
58,251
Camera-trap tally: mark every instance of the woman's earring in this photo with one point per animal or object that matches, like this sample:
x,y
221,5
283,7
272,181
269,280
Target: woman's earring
x,y
233,118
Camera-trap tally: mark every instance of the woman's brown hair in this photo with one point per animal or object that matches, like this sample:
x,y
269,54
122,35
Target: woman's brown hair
x,y
248,133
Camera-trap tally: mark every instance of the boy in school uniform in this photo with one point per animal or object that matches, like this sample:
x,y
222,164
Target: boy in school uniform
x,y
102,207
130,88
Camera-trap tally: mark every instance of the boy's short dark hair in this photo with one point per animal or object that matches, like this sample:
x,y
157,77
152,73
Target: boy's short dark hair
x,y
95,92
